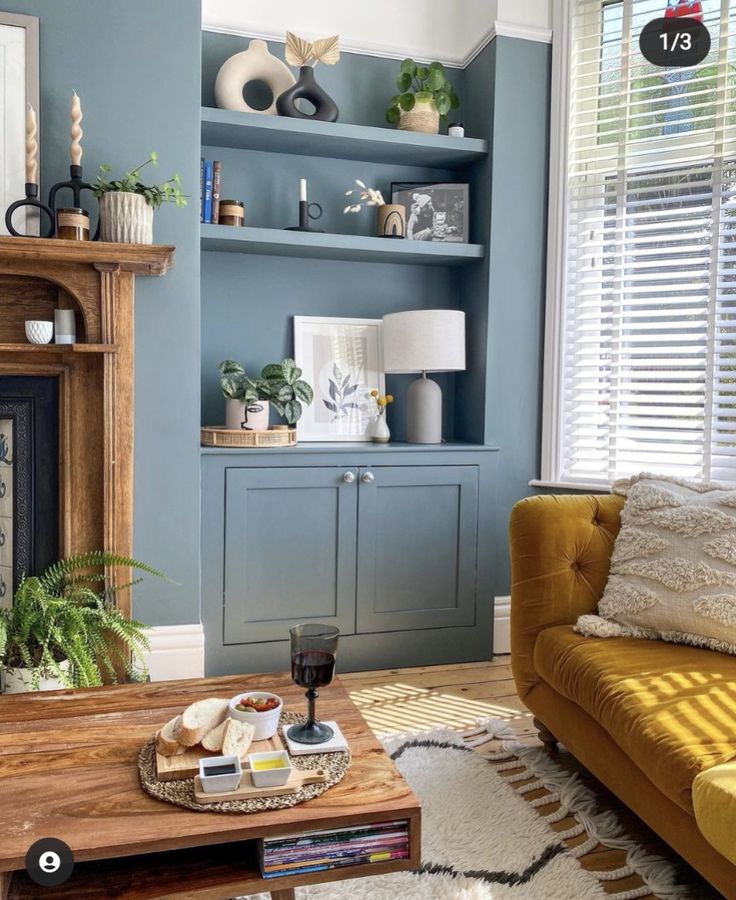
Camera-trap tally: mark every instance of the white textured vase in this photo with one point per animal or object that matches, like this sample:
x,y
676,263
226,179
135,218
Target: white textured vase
x,y
20,681
126,218
38,331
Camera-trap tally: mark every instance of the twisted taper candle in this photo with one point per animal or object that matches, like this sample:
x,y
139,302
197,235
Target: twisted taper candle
x,y
31,146
76,150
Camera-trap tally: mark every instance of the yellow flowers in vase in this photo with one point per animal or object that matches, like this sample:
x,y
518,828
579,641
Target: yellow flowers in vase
x,y
380,433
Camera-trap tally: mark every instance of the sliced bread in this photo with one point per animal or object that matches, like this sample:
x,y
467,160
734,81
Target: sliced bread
x,y
166,742
213,740
237,737
199,719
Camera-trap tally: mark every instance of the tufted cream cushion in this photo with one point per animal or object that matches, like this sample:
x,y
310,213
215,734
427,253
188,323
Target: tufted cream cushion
x,y
673,568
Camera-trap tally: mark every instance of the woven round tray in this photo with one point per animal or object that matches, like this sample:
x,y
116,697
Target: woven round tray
x,y
181,793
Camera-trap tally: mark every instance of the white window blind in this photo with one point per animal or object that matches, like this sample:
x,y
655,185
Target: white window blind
x,y
645,352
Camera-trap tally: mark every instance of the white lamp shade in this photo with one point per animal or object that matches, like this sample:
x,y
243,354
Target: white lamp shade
x,y
424,340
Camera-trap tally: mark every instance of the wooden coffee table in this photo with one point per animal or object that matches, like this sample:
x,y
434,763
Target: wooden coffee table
x,y
68,769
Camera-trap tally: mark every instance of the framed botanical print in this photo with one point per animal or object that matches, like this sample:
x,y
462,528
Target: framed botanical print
x,y
18,89
343,361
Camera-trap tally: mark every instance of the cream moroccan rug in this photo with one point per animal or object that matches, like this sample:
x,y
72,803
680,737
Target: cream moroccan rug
x,y
483,840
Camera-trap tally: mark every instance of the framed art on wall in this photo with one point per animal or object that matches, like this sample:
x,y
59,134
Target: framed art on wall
x,y
343,360
434,212
18,89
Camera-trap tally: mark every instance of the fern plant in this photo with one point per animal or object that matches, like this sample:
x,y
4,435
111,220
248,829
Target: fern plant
x,y
69,613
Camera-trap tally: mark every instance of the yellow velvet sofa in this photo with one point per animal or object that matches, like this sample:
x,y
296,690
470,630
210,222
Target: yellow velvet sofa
x,y
655,722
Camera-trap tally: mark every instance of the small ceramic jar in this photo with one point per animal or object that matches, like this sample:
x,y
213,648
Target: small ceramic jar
x,y
72,224
232,212
456,129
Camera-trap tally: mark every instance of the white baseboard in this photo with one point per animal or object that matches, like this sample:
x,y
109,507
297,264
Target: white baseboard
x,y
501,625
177,651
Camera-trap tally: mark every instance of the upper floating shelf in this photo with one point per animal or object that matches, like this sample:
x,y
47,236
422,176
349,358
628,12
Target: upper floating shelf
x,y
276,134
278,242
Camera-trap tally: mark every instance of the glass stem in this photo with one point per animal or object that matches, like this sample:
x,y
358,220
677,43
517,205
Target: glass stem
x,y
312,695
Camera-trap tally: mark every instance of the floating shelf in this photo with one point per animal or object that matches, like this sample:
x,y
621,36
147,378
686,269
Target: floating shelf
x,y
58,348
279,242
275,134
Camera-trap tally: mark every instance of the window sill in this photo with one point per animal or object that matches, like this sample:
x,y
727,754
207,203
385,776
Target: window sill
x,y
601,487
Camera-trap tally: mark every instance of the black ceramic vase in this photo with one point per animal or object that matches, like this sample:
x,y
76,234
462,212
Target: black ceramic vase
x,y
325,108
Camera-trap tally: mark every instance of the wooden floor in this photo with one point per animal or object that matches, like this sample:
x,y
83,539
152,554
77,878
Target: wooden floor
x,y
406,700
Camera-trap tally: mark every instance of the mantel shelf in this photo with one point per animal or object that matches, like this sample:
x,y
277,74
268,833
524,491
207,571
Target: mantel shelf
x,y
141,259
279,242
335,140
59,348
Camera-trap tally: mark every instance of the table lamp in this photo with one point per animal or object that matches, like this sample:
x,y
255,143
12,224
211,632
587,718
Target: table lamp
x,y
424,340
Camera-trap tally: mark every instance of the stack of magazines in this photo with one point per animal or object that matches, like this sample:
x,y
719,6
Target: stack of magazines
x,y
319,850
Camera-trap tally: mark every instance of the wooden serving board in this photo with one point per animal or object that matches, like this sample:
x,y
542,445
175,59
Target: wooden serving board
x,y
248,791
186,765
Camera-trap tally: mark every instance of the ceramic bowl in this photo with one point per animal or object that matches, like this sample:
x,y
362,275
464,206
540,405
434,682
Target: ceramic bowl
x,y
274,777
265,723
39,332
219,784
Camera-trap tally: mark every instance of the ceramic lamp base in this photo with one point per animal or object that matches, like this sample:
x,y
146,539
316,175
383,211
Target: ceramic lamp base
x,y
424,412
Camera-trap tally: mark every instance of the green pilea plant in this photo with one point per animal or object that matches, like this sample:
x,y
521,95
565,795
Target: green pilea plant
x,y
422,84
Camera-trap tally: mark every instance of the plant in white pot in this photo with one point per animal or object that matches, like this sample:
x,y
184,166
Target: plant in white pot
x,y
246,399
64,629
287,390
127,204
425,97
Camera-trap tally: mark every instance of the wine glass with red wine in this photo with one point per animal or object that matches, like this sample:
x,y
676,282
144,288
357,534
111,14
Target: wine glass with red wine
x,y
313,651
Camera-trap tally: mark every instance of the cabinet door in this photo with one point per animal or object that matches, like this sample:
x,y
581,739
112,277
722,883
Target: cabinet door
x,y
417,547
289,551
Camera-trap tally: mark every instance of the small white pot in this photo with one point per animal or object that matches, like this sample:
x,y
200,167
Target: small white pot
x,y
265,723
234,413
38,331
380,433
257,415
126,218
20,681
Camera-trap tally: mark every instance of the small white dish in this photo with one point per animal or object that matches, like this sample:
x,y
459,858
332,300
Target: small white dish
x,y
38,331
216,781
265,723
271,777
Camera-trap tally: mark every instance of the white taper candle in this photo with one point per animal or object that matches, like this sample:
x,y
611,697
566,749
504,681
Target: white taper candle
x,y
31,146
76,150
303,190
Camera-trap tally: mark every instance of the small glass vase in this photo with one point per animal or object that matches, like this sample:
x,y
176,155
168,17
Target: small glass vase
x,y
380,433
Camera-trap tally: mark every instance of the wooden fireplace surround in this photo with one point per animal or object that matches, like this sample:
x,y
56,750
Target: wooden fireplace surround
x,y
96,375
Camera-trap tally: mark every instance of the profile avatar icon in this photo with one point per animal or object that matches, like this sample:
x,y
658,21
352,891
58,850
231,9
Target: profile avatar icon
x,y
50,862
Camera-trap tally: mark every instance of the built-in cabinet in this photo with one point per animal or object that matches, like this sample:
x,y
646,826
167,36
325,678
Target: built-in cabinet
x,y
384,543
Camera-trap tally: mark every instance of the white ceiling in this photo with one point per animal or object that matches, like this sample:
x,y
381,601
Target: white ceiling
x,y
451,32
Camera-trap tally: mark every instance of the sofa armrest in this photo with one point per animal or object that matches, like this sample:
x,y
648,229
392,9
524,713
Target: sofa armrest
x,y
560,553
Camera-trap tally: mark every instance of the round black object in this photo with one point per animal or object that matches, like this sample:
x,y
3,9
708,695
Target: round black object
x,y
676,41
325,108
49,862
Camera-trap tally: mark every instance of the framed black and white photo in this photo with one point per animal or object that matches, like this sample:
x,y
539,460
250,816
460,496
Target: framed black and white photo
x,y
434,212
18,89
343,361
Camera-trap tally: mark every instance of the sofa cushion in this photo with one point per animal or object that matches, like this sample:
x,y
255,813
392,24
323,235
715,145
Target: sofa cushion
x,y
671,708
714,799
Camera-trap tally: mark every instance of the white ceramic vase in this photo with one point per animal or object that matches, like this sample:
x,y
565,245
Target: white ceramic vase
x,y
234,414
126,218
20,681
39,331
257,415
380,433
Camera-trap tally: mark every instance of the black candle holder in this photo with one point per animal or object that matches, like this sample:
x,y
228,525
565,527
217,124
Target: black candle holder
x,y
76,184
31,200
305,215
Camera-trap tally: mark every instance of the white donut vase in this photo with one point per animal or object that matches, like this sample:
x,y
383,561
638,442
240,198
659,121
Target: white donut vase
x,y
253,64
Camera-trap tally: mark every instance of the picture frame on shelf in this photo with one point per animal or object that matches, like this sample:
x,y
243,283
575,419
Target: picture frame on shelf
x,y
342,358
434,211
19,71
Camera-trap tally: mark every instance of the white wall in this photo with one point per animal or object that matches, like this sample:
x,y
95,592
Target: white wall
x,y
426,29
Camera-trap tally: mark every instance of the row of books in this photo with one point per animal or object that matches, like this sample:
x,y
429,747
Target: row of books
x,y
334,848
210,179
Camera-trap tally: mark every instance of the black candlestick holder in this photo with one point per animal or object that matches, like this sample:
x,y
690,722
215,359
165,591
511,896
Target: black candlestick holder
x,y
305,215
31,200
76,184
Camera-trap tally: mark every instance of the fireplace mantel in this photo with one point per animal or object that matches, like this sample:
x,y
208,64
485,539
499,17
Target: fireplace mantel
x,y
95,375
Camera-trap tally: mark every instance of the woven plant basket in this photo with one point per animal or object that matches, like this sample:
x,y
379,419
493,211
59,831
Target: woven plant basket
x,y
424,117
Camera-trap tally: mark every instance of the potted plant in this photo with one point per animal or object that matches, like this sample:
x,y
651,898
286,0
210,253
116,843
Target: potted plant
x,y
287,390
390,217
246,399
127,204
64,629
425,96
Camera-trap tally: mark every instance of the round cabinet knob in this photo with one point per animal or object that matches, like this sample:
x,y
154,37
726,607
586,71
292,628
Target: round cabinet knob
x,y
368,478
348,477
